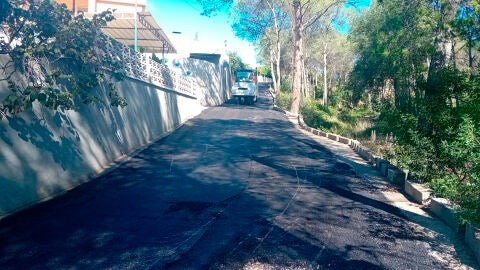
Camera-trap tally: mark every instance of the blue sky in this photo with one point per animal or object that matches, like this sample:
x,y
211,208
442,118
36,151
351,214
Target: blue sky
x,y
184,16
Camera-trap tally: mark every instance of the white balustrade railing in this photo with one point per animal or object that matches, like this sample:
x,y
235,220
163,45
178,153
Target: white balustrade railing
x,y
142,67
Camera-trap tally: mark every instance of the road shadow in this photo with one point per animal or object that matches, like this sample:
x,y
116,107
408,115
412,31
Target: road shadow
x,y
233,188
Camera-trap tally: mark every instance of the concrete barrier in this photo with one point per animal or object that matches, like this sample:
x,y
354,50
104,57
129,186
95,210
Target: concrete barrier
x,y
384,166
419,193
472,238
333,137
344,140
396,176
442,208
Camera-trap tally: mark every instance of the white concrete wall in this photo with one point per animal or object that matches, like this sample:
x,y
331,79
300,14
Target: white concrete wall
x,y
43,153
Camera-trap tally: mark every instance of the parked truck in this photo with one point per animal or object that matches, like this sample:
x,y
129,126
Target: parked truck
x,y
245,88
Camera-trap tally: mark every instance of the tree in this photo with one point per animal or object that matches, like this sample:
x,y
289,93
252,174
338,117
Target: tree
x,y
59,54
393,42
236,62
262,24
302,15
467,25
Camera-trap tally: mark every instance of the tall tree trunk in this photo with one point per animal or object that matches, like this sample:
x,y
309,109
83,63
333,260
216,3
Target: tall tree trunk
x,y
277,59
297,56
325,82
276,74
305,80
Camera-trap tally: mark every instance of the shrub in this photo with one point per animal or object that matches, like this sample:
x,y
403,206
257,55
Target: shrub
x,y
285,85
317,116
284,100
460,181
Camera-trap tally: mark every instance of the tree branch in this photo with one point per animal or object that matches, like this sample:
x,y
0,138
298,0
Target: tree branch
x,y
315,18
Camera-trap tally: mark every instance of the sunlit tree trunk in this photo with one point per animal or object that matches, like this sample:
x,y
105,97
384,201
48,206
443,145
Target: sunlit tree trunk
x,y
325,82
274,73
297,56
276,51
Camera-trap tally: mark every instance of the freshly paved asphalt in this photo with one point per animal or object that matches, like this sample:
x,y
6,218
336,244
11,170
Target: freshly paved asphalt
x,y
238,187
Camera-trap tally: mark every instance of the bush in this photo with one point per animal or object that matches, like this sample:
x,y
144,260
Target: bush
x,y
460,181
284,100
285,85
317,116
346,122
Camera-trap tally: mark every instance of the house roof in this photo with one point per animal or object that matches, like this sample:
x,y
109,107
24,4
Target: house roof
x,y
150,35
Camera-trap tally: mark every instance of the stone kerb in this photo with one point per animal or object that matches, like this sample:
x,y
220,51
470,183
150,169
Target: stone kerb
x,y
332,136
344,140
396,176
472,238
419,193
443,209
384,166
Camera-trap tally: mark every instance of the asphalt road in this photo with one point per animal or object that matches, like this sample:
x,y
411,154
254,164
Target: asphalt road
x,y
238,187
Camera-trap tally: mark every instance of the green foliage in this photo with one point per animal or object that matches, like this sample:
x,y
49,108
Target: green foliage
x,y
318,116
250,23
62,56
286,85
236,62
212,7
393,42
284,100
158,59
460,180
265,71
429,99
352,123
440,144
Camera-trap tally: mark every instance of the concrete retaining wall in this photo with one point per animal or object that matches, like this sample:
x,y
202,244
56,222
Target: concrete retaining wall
x,y
43,153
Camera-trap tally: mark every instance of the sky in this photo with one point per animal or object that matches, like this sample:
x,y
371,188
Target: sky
x,y
184,16
198,32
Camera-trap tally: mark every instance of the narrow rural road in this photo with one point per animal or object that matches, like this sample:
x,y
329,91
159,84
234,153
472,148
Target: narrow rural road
x,y
239,187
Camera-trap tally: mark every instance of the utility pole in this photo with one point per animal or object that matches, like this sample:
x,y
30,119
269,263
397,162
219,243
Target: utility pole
x,y
135,35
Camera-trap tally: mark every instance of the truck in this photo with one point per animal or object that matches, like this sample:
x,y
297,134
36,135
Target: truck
x,y
245,88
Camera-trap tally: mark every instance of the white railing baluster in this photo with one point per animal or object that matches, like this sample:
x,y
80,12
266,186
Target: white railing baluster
x,y
142,67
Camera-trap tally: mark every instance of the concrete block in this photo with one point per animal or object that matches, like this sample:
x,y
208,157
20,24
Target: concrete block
x,y
315,131
418,192
472,238
384,166
344,140
442,208
332,136
396,176
321,133
378,162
